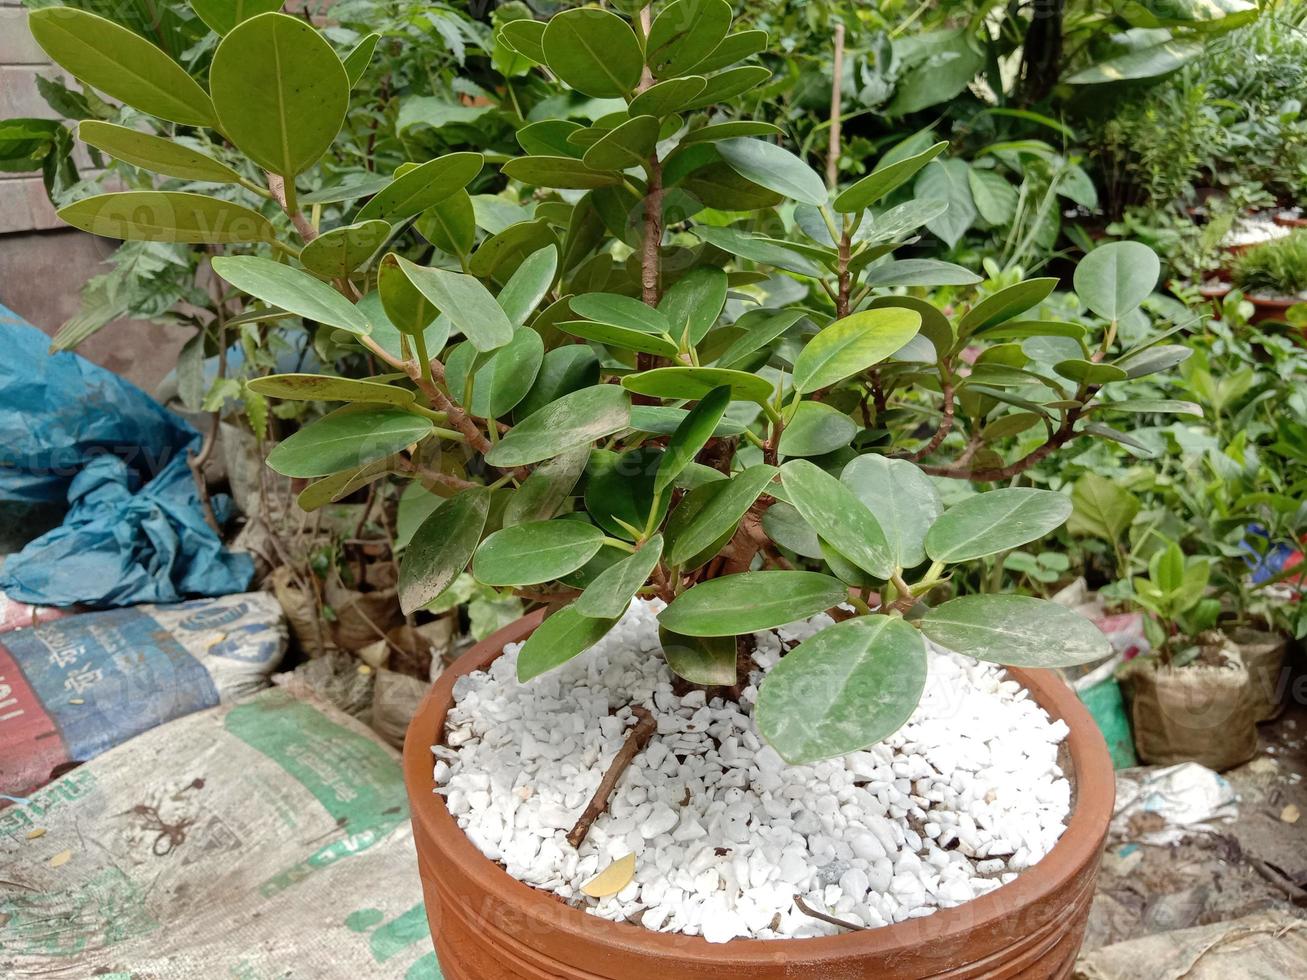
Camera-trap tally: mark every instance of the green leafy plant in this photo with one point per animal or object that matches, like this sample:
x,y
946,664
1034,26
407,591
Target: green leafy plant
x,y
645,384
1174,592
1277,267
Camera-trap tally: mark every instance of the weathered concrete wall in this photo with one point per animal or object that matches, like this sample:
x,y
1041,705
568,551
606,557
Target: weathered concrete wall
x,y
43,264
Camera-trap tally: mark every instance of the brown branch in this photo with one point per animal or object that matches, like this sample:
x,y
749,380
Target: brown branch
x,y
945,424
277,185
961,471
637,738
836,105
806,909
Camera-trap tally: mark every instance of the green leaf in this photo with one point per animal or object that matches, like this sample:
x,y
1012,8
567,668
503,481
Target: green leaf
x,y
722,509
1024,329
121,64
691,436
627,145
621,311
528,285
576,419
734,47
1115,278
1005,304
727,85
949,62
450,225
667,97
360,56
901,498
1144,62
919,272
565,369
751,601
729,130
1016,630
292,290
884,180
612,590
280,92
340,485
693,303
337,253
467,303
422,187
816,429
684,33
346,438
1101,508
996,199
995,521
557,640
756,249
694,383
758,329
222,15
167,216
947,180
525,37
619,490
1089,372
1162,357
560,172
324,387
622,338
851,345
539,551
1162,406
593,51
407,309
838,516
716,185
504,379
935,326
441,548
153,153
773,167
548,137
663,420
707,660
498,257
543,492
842,689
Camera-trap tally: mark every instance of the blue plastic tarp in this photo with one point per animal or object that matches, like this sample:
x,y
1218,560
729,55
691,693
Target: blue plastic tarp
x,y
135,531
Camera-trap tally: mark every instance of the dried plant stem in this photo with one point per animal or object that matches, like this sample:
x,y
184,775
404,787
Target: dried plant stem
x,y
836,102
636,739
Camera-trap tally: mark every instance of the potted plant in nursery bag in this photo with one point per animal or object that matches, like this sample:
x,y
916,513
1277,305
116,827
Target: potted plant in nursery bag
x,y
732,747
1190,697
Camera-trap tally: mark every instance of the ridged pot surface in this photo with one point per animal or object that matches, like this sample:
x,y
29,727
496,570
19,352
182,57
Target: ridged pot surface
x,y
488,926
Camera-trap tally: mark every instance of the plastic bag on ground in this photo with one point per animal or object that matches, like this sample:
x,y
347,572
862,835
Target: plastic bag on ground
x,y
73,688
134,531
267,839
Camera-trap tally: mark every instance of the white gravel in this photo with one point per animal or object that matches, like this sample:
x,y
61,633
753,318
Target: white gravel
x,y
725,834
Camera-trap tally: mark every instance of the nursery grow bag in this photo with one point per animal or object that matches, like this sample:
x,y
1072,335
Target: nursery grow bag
x,y
489,926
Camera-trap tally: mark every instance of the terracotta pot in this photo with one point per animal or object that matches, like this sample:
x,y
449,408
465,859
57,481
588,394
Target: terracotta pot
x,y
1289,220
1270,307
489,926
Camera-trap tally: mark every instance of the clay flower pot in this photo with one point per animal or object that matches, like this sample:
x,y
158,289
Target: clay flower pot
x,y
1270,307
487,925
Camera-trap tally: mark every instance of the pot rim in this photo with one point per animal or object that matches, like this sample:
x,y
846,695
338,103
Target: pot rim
x,y
1094,796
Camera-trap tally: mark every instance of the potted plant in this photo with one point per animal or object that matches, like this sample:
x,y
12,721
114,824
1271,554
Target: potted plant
x,y
1273,275
1193,683
620,425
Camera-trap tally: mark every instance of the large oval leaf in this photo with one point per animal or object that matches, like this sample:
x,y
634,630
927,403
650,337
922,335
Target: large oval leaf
x,y
842,689
154,153
885,179
693,303
1016,630
694,383
1115,278
775,168
838,516
535,552
667,97
621,338
725,504
708,660
120,64
903,500
422,187
441,548
467,303
557,640
594,51
576,419
223,15
168,216
751,601
816,429
280,92
612,590
1005,304
337,253
684,33
627,145
853,344
565,173
691,436
995,521
619,490
528,285
292,290
504,379
621,311
564,369
347,438
543,492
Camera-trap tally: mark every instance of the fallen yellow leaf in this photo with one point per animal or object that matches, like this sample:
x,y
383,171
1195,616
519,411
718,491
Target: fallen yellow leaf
x,y
35,832
612,879
1290,814
60,859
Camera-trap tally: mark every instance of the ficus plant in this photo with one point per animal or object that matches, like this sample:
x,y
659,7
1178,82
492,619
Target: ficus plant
x,y
648,387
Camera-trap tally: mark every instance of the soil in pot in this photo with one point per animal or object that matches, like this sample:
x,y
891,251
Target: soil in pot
x,y
1263,656
1200,712
725,835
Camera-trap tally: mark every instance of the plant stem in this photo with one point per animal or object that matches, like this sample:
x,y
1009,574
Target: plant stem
x,y
636,739
837,70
